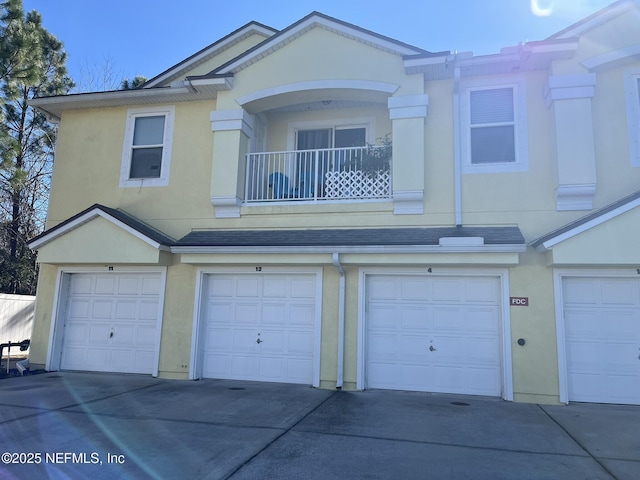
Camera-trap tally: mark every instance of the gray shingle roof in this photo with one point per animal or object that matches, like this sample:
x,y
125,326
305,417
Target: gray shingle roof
x,y
347,237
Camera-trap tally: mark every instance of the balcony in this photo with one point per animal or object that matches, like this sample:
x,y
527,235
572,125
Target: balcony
x,y
330,174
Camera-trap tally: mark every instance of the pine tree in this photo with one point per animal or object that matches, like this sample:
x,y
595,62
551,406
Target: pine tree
x,y
32,64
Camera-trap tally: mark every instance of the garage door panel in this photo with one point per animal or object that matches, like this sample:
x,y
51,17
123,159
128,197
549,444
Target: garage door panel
x,y
302,315
96,359
414,317
128,285
126,310
79,308
602,339
276,287
102,309
218,313
460,323
300,343
383,288
620,292
413,288
448,290
247,287
105,285
279,310
247,313
482,320
98,333
303,288
479,290
384,347
81,284
274,314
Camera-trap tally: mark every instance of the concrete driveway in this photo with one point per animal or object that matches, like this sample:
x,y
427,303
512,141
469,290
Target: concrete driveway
x,y
83,425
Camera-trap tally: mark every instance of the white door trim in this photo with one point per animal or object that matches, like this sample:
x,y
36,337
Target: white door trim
x,y
197,341
505,330
558,275
56,332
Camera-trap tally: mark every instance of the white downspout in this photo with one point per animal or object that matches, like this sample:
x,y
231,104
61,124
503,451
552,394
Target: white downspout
x,y
341,308
457,155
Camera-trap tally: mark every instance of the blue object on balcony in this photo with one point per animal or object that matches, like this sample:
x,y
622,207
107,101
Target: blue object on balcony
x,y
306,184
279,185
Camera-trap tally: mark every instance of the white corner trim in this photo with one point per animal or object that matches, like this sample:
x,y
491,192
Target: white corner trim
x,y
632,101
384,87
87,217
408,106
575,197
408,202
226,120
227,206
566,87
612,58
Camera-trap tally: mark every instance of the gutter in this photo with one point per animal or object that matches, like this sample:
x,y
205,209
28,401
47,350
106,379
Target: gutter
x,y
341,311
381,249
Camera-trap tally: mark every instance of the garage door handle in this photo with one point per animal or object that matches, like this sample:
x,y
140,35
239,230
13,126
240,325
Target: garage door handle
x,y
258,341
431,349
111,335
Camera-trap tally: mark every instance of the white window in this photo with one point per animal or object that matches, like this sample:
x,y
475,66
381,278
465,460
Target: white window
x,y
494,128
146,155
632,98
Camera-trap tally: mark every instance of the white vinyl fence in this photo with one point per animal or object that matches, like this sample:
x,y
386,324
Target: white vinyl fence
x,y
16,320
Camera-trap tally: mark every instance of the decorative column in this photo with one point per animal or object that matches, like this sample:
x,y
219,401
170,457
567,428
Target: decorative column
x,y
408,115
232,132
569,96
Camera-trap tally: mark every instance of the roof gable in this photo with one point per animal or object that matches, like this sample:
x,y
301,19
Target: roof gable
x,y
588,222
311,21
598,18
216,49
119,218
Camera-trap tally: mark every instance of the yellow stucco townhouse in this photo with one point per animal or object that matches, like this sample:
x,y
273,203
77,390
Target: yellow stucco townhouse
x,y
382,217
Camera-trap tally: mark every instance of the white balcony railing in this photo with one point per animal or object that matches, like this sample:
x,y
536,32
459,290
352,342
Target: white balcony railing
x,y
314,175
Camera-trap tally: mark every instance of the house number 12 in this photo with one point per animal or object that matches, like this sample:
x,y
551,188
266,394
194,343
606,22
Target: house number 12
x,y
258,269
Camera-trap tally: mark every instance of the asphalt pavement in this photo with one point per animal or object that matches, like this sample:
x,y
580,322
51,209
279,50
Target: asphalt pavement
x,y
68,425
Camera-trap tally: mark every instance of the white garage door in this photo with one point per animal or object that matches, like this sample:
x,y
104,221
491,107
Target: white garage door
x,y
260,327
434,333
602,335
111,322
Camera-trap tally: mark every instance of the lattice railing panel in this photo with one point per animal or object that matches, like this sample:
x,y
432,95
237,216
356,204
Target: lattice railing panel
x,y
355,185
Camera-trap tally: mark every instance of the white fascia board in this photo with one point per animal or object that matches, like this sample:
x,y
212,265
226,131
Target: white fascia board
x,y
428,61
214,50
87,217
612,58
313,21
588,225
383,249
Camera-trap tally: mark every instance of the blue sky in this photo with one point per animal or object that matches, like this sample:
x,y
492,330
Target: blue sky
x,y
145,37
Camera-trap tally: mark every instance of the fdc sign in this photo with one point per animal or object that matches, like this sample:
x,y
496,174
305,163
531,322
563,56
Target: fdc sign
x,y
519,301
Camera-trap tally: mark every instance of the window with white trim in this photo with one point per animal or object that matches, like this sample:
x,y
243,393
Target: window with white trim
x,y
632,98
146,154
494,128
